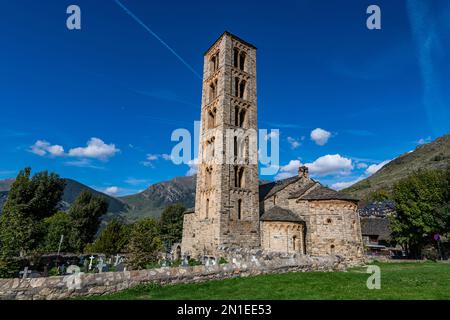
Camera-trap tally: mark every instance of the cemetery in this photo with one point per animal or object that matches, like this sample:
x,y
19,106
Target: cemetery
x,y
92,276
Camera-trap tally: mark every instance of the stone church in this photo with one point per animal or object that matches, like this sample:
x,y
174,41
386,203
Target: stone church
x,y
232,208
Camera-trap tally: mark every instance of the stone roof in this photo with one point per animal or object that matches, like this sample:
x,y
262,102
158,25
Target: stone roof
x,y
280,214
299,192
378,209
232,36
269,189
372,226
309,190
319,192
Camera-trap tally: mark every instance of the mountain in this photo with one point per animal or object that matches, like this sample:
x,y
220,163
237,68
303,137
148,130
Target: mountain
x,y
152,201
5,185
71,192
433,155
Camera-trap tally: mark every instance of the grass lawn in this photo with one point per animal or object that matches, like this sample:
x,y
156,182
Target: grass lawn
x,y
411,280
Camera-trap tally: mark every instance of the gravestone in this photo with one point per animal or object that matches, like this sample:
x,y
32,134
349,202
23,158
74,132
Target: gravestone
x,y
91,258
100,265
120,267
116,262
45,273
25,273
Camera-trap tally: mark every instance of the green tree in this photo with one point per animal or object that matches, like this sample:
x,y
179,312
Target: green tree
x,y
172,224
145,243
113,239
85,214
55,226
379,195
29,201
422,209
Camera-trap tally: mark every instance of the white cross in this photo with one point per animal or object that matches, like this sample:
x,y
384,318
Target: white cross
x,y
25,272
117,260
90,263
100,265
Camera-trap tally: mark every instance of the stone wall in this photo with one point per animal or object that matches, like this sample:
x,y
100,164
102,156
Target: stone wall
x,y
241,263
280,236
333,227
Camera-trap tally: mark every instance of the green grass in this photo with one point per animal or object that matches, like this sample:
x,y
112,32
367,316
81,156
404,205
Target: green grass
x,y
398,281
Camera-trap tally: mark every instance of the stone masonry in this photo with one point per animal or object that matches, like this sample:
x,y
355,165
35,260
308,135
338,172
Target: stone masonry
x,y
241,263
293,215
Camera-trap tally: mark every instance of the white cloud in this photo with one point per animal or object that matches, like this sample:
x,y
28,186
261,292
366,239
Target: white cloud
x,y
42,148
424,140
112,190
320,136
289,170
136,182
361,165
294,142
96,149
330,164
346,184
193,167
375,167
166,156
152,157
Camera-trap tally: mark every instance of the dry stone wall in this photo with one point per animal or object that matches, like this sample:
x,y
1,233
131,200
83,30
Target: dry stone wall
x,y
240,263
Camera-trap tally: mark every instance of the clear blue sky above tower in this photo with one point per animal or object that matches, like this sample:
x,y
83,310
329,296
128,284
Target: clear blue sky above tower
x,y
377,92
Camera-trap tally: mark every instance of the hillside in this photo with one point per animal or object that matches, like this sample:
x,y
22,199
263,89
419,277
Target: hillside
x,y
5,185
72,190
433,155
152,201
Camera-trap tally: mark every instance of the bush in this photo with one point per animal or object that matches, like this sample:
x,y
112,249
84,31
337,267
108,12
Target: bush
x,y
144,244
113,239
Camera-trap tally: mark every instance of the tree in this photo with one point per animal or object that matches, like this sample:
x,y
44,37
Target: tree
x,y
55,226
145,243
85,214
172,224
421,203
379,195
113,238
29,201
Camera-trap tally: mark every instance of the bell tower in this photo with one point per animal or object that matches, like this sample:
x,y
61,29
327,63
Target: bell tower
x,y
227,191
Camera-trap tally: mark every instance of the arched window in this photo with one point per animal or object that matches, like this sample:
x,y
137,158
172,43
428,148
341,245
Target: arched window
x,y
241,178
242,118
212,118
236,169
294,240
242,61
236,116
236,57
214,63
274,199
208,177
236,87
207,208
235,147
332,249
213,90
239,209
242,89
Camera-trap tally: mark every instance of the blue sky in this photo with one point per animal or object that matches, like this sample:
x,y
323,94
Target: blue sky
x,y
99,104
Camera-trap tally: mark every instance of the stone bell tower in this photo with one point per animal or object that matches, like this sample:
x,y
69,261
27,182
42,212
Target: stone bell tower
x,y
227,201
